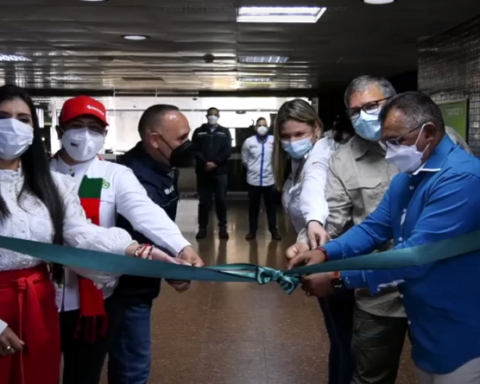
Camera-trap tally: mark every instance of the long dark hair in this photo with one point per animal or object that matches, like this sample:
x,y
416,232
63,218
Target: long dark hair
x,y
36,170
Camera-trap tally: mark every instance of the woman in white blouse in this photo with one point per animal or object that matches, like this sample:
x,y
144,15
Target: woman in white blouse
x,y
38,205
301,158
300,148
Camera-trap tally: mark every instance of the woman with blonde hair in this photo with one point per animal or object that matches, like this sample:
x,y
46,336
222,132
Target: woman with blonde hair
x,y
301,158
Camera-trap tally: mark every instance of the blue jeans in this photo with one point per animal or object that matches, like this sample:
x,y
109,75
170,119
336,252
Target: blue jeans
x,y
130,353
338,313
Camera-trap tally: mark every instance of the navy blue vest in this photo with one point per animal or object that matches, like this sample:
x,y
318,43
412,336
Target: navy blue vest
x,y
160,182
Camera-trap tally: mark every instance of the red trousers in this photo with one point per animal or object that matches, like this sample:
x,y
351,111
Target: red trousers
x,y
27,305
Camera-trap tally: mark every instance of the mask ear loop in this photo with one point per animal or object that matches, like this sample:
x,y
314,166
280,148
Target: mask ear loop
x,y
159,150
418,138
420,134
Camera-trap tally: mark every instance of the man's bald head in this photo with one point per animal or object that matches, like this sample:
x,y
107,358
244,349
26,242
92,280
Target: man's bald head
x,y
162,129
152,115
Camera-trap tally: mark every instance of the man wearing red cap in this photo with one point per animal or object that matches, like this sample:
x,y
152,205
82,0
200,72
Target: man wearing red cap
x,y
106,189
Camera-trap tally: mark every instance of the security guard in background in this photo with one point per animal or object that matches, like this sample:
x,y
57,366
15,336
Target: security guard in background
x,y
257,154
212,144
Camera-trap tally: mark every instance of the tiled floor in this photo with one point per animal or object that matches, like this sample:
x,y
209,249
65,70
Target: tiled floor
x,y
234,333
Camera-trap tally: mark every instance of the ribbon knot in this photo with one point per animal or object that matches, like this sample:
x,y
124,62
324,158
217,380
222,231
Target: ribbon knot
x,y
288,283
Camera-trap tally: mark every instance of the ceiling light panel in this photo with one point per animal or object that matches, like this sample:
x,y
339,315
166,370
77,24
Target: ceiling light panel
x,y
280,14
263,59
378,2
255,79
135,37
10,58
67,78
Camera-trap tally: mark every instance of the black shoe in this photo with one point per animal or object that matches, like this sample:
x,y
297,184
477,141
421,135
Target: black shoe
x,y
202,234
276,236
223,234
250,236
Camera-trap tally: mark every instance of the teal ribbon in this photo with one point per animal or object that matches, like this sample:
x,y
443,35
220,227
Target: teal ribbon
x,y
288,280
262,275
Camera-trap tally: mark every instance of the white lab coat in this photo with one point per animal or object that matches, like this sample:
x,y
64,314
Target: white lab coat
x,y
304,194
122,194
257,158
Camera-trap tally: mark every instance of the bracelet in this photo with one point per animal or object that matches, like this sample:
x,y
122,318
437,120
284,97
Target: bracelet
x,y
138,251
141,248
152,247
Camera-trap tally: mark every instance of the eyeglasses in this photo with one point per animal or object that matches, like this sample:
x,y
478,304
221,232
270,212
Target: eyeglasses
x,y
399,139
371,108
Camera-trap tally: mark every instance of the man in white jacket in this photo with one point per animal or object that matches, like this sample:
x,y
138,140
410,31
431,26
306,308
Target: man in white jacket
x,y
257,158
106,189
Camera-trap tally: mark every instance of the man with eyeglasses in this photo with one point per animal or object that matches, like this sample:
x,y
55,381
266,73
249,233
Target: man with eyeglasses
x,y
429,201
358,178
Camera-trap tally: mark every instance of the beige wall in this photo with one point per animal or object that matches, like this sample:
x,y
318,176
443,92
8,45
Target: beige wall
x,y
124,114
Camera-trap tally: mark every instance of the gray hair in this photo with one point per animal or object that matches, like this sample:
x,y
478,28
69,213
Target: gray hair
x,y
362,83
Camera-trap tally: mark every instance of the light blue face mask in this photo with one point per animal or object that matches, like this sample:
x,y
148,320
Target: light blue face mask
x,y
368,126
299,148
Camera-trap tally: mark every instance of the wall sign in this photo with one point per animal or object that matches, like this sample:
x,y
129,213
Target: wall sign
x,y
455,115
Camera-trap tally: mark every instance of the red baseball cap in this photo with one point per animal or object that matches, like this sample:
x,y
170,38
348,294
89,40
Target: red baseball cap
x,y
81,106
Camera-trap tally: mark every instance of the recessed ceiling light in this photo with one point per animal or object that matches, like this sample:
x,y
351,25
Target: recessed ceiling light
x,y
136,37
378,2
255,79
66,78
13,58
280,14
94,1
263,59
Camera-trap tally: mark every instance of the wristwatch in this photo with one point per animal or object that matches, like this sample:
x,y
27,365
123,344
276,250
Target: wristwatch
x,y
338,284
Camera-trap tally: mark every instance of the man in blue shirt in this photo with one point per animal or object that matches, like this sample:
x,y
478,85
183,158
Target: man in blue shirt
x,y
432,199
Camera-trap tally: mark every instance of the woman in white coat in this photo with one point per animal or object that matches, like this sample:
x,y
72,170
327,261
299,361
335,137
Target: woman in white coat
x,y
301,158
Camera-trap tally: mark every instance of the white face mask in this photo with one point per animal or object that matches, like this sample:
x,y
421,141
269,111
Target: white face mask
x,y
262,130
212,119
82,144
15,138
407,158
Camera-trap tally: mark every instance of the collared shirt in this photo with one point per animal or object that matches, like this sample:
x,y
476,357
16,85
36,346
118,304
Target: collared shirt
x,y
442,299
122,194
357,180
257,158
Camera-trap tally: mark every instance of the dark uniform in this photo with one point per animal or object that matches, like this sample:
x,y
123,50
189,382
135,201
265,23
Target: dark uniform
x,y
212,145
130,354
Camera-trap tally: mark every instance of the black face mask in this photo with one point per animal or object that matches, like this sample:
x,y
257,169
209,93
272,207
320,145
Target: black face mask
x,y
182,156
